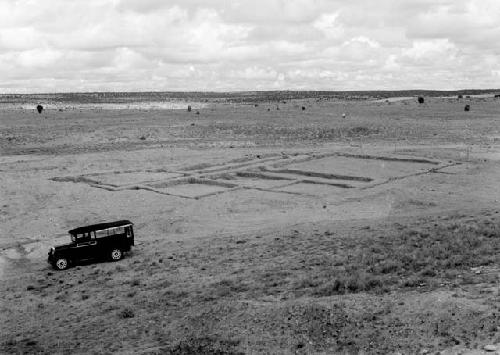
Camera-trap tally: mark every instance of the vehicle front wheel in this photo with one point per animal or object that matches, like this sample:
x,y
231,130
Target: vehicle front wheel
x,y
116,254
61,264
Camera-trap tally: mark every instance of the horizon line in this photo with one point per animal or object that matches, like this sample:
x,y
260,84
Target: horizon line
x,y
247,91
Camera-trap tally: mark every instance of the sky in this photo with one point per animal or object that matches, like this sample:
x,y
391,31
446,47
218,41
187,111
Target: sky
x,y
233,45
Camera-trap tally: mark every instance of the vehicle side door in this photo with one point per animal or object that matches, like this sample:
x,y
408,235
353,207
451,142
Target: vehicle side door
x,y
105,241
85,245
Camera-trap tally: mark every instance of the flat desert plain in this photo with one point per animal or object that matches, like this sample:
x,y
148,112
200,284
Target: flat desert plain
x,y
314,225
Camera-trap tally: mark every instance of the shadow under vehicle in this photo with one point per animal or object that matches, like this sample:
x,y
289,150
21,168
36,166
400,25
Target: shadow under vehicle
x,y
97,241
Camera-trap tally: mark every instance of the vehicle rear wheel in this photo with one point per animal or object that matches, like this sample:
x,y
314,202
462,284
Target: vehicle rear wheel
x,y
116,254
61,264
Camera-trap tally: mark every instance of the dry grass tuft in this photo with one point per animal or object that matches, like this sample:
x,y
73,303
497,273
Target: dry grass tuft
x,y
126,313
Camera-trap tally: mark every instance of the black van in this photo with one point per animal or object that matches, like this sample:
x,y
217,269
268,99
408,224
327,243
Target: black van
x,y
96,241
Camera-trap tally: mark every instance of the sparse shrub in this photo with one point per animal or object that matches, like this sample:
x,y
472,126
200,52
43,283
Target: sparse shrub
x,y
31,342
11,342
354,285
126,313
413,281
135,282
429,272
306,282
388,267
372,283
30,288
334,287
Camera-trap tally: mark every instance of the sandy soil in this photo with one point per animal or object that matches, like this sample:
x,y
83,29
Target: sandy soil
x,y
259,231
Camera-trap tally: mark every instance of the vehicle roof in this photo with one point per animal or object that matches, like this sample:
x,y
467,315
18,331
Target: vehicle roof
x,y
100,226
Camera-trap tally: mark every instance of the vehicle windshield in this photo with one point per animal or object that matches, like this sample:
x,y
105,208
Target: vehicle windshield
x,y
73,238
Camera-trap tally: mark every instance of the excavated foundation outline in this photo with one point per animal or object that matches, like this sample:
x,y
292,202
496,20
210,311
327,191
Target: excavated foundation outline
x,y
267,167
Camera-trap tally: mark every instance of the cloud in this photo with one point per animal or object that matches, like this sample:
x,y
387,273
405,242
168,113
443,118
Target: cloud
x,y
329,25
430,51
85,45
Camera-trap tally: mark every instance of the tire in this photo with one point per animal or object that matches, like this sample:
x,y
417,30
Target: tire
x,y
116,254
61,264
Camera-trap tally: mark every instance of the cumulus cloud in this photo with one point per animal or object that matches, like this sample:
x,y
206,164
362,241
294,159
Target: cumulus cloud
x,y
82,45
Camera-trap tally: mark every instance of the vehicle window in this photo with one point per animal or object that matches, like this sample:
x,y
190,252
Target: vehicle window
x,y
116,230
73,238
82,237
101,233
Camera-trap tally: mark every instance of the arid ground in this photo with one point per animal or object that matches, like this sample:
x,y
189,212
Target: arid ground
x,y
271,224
